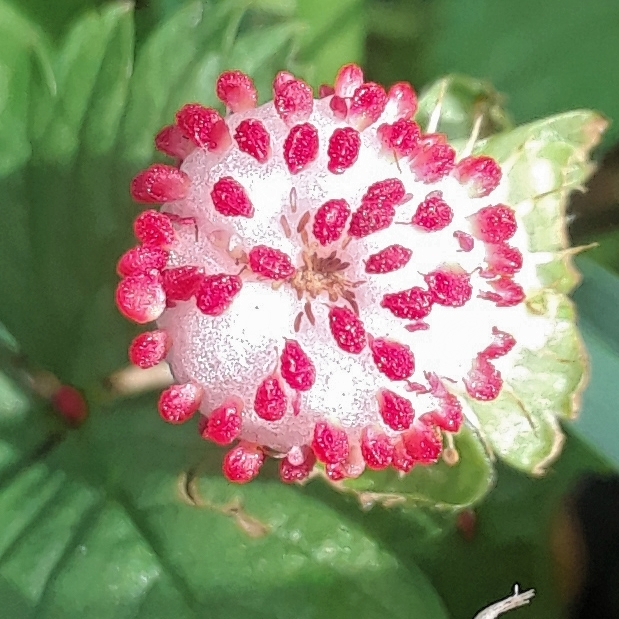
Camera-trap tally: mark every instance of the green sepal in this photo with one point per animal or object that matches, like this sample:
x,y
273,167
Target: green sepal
x,y
542,162
524,435
463,101
439,485
560,274
546,156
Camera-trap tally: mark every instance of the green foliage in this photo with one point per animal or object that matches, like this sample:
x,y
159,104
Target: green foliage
x,y
544,57
65,171
128,517
441,486
102,519
597,300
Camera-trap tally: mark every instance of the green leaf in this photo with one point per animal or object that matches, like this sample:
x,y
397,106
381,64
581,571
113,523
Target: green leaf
x,y
24,50
102,520
540,54
65,172
189,38
67,218
91,71
512,540
334,35
53,18
597,301
440,485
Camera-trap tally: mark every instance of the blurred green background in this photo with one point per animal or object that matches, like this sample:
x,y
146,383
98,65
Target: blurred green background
x,y
90,522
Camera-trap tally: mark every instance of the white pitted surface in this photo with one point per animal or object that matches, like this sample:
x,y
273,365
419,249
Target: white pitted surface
x,y
229,355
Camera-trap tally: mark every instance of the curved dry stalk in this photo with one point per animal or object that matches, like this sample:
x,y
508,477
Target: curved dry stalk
x,y
516,600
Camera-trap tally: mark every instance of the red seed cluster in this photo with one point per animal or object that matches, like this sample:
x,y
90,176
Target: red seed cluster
x,y
396,361
70,404
203,126
402,101
371,217
376,449
348,79
367,104
494,224
270,263
343,149
270,403
181,283
281,79
330,220
301,147
347,330
141,297
290,473
179,403
413,304
388,260
507,292
142,259
449,416
223,425
160,183
377,209
502,260
296,367
216,293
402,461
501,344
293,101
330,444
170,141
154,228
390,191
433,162
401,137
236,91
423,444
242,463
483,381
253,139
397,412
481,174
433,213
450,287
149,348
229,198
